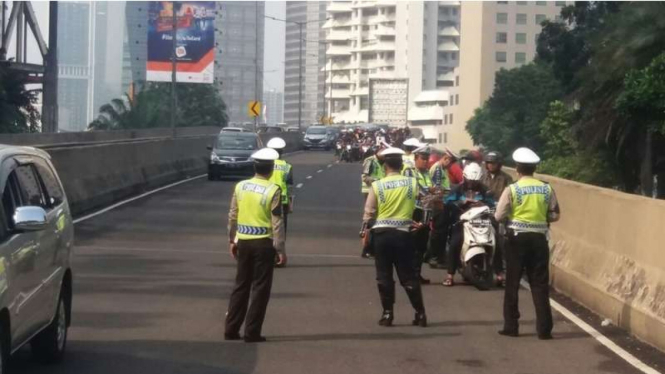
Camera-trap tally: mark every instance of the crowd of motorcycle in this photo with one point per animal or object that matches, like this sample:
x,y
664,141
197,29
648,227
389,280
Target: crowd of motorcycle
x,y
355,145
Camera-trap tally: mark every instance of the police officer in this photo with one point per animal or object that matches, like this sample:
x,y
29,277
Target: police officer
x,y
530,206
436,253
283,177
256,234
389,214
422,214
410,145
372,171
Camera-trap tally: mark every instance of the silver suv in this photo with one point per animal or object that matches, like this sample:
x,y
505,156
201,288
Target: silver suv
x,y
36,239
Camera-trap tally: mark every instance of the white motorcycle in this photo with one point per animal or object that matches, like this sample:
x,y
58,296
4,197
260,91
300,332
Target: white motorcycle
x,y
478,248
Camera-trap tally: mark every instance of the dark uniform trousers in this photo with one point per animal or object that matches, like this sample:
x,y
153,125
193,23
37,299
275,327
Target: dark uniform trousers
x,y
438,237
285,216
527,252
256,261
420,239
393,248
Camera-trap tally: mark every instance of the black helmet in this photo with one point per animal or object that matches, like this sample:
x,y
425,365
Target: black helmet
x,y
494,157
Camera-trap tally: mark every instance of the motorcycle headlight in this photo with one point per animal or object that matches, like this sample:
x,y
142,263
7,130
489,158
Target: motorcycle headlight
x,y
214,157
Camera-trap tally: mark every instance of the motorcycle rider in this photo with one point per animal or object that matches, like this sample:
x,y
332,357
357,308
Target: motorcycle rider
x,y
469,194
496,180
440,173
530,205
389,214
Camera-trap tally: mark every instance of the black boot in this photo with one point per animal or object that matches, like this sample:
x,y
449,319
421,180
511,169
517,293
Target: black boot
x,y
386,318
420,319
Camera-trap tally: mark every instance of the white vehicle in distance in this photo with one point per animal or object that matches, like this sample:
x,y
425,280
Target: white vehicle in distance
x,y
234,129
36,240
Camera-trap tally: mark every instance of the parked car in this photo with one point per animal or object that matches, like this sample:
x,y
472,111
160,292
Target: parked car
x,y
36,239
317,137
230,155
292,129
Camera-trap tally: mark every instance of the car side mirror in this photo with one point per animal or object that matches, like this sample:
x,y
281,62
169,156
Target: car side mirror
x,y
209,148
29,218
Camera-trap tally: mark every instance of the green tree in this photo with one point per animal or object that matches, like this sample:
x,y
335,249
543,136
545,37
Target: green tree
x,y
511,117
563,156
198,105
17,110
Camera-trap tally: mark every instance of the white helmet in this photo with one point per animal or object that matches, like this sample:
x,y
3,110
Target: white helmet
x,y
276,143
525,156
412,142
265,154
473,172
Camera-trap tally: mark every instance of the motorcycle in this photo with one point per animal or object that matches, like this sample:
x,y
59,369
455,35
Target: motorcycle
x,y
478,248
346,154
355,152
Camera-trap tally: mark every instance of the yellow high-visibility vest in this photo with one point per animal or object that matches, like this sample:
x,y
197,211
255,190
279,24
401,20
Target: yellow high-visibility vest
x,y
530,203
254,197
279,176
396,196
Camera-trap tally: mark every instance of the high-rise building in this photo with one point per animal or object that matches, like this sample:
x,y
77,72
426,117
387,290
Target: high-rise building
x,y
414,40
273,107
312,15
238,52
88,68
239,58
496,35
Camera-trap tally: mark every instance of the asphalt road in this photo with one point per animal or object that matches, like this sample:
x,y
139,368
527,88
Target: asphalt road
x,y
153,279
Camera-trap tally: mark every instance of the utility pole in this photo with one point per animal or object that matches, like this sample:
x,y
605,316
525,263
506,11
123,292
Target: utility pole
x,y
174,45
50,80
256,64
300,24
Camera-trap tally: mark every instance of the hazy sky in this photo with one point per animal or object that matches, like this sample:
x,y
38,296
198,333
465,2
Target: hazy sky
x,y
273,61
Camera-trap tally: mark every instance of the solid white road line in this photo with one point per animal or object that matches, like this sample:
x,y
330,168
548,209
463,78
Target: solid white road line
x,y
602,339
222,250
121,203
299,185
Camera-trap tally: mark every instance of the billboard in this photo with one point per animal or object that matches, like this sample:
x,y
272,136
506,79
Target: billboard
x,y
389,101
195,41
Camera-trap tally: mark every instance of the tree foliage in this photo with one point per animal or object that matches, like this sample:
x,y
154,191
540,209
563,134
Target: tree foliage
x,y
198,105
17,104
511,117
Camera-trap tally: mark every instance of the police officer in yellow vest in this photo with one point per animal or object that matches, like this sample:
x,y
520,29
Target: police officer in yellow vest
x,y
372,171
283,177
530,206
423,212
256,234
389,214
410,145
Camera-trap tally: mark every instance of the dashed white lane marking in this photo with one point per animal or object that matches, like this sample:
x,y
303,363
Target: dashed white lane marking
x,y
329,166
299,185
602,339
319,171
309,177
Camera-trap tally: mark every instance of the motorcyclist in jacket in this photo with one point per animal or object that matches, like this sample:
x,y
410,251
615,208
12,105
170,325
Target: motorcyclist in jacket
x,y
470,193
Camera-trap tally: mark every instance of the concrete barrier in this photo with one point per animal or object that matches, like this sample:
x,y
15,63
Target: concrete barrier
x,y
608,253
100,168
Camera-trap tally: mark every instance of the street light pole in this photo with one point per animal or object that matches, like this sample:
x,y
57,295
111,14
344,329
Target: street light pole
x,y
174,45
300,24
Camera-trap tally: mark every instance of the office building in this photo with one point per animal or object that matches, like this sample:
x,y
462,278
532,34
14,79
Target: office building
x,y
497,35
273,107
414,40
312,16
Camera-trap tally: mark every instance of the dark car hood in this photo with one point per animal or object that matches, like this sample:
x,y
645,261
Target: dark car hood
x,y
239,153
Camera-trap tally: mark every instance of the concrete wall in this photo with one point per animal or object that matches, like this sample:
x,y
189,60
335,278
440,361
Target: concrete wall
x,y
100,168
45,139
608,253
